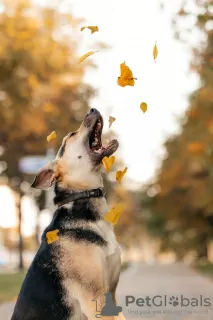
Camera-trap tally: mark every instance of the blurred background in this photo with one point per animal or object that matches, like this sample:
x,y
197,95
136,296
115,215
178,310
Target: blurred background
x,y
167,189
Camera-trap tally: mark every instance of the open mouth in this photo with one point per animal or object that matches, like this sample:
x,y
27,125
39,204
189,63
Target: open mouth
x,y
97,149
95,143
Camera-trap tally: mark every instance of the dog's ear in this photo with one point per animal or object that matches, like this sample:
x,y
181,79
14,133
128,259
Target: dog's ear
x,y
44,177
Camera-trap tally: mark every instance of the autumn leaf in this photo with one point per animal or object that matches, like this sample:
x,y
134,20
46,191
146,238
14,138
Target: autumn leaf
x,y
51,136
52,236
91,28
143,106
111,120
114,214
196,147
86,55
155,51
126,76
120,174
108,163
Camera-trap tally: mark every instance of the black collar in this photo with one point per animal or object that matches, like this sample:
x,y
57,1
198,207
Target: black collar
x,y
93,193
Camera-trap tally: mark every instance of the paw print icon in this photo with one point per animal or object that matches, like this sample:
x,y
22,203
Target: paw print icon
x,y
173,301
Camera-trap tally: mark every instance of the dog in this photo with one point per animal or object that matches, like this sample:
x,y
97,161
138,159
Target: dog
x,y
84,262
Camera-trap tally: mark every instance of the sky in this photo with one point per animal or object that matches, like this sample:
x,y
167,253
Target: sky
x,y
9,218
132,28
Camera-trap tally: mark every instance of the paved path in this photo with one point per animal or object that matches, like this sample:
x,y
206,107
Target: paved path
x,y
142,280
6,311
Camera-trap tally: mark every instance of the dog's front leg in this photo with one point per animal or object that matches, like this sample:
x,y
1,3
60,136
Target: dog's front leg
x,y
93,310
91,307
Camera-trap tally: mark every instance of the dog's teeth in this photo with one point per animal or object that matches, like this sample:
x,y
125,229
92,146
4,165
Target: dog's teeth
x,y
95,142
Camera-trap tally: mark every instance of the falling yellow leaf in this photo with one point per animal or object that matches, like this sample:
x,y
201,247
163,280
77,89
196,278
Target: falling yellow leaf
x,y
52,236
143,106
111,120
114,214
126,77
108,162
86,55
51,136
91,28
120,174
155,51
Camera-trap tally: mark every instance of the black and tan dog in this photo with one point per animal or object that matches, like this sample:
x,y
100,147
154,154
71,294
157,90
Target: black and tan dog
x,y
84,263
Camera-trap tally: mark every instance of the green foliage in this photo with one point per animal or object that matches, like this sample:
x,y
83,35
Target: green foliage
x,y
155,224
205,268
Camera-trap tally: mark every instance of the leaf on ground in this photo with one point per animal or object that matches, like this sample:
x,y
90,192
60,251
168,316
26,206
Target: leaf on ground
x,y
86,55
114,214
120,174
91,28
52,236
111,120
51,136
108,162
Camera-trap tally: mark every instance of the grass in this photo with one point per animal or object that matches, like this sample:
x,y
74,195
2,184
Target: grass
x,y
124,266
205,268
10,284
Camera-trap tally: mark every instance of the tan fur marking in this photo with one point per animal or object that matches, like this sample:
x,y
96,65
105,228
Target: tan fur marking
x,y
88,304
62,176
82,268
82,262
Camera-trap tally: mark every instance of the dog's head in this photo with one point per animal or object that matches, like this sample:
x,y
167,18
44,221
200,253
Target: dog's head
x,y
78,162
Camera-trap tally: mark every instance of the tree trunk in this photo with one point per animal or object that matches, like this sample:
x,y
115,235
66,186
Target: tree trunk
x,y
20,245
41,205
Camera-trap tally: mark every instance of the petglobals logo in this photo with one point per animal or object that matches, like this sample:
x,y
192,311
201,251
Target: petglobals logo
x,y
165,301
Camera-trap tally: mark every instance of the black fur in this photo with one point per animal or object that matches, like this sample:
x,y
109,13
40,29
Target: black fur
x,y
62,148
82,209
89,236
60,194
41,295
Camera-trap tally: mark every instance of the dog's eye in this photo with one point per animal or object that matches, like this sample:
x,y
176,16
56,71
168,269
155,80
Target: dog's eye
x,y
79,157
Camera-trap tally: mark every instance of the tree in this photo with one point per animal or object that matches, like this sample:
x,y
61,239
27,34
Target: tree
x,y
181,206
41,84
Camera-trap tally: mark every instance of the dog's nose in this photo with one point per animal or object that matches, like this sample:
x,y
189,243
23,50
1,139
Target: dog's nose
x,y
94,111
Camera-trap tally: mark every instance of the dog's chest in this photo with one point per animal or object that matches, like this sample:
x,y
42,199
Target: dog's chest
x,y
106,231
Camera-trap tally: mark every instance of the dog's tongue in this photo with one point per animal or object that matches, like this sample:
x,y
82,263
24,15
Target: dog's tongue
x,y
100,150
111,147
108,149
